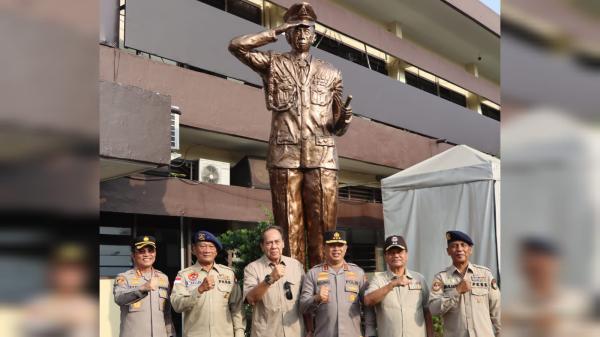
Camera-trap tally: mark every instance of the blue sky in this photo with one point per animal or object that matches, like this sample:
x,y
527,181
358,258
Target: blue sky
x,y
493,4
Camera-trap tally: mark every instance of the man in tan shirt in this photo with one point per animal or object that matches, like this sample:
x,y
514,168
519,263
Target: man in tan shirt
x,y
465,295
272,286
399,295
208,294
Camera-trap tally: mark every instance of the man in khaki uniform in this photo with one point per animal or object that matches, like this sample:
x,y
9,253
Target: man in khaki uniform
x,y
272,286
142,294
333,292
208,294
304,95
465,295
399,295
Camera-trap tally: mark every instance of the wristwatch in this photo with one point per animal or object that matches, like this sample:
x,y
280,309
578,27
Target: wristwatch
x,y
268,279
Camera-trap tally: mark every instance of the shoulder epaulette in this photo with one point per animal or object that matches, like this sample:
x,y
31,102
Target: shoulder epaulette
x,y
224,267
481,267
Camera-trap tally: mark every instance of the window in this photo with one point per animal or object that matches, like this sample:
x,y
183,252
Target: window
x,y
220,4
239,8
362,193
421,83
362,243
490,112
363,255
115,250
435,89
245,10
353,55
453,96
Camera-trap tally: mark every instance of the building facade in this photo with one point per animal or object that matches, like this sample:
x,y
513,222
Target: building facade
x,y
184,127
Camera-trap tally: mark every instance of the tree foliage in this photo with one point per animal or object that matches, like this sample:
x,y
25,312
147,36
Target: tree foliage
x,y
438,326
245,243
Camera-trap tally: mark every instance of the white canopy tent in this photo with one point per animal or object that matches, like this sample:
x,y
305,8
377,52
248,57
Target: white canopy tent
x,y
456,189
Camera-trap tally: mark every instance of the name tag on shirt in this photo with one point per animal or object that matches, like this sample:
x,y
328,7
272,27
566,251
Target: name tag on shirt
x,y
415,286
479,281
351,287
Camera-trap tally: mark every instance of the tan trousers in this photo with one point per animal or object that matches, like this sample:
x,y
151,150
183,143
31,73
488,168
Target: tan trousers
x,y
305,205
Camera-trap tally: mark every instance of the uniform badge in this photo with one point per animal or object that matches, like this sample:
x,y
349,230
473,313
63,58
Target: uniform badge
x,y
437,286
414,286
351,287
323,277
120,280
494,284
177,280
224,279
193,276
350,275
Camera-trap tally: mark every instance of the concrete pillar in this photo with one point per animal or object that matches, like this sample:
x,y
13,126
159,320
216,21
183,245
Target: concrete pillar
x,y
472,69
395,28
395,68
474,102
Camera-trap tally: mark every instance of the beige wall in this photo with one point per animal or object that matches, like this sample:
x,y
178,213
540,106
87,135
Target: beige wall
x,y
10,318
109,311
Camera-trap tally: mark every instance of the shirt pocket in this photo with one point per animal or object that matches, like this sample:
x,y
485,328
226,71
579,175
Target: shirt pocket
x,y
163,295
284,96
415,295
352,289
285,138
324,141
291,293
479,296
320,95
225,287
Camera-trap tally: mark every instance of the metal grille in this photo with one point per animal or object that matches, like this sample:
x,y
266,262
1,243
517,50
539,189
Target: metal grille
x,y
361,193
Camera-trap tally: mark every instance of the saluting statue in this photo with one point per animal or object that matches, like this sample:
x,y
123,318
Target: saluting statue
x,y
305,96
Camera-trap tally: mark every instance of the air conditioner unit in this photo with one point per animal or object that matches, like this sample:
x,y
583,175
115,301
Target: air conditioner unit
x,y
212,171
175,112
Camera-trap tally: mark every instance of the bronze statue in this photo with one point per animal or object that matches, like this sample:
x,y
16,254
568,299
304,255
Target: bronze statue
x,y
305,96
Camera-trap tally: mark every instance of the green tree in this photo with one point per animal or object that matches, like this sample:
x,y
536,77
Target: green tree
x,y
438,326
245,243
